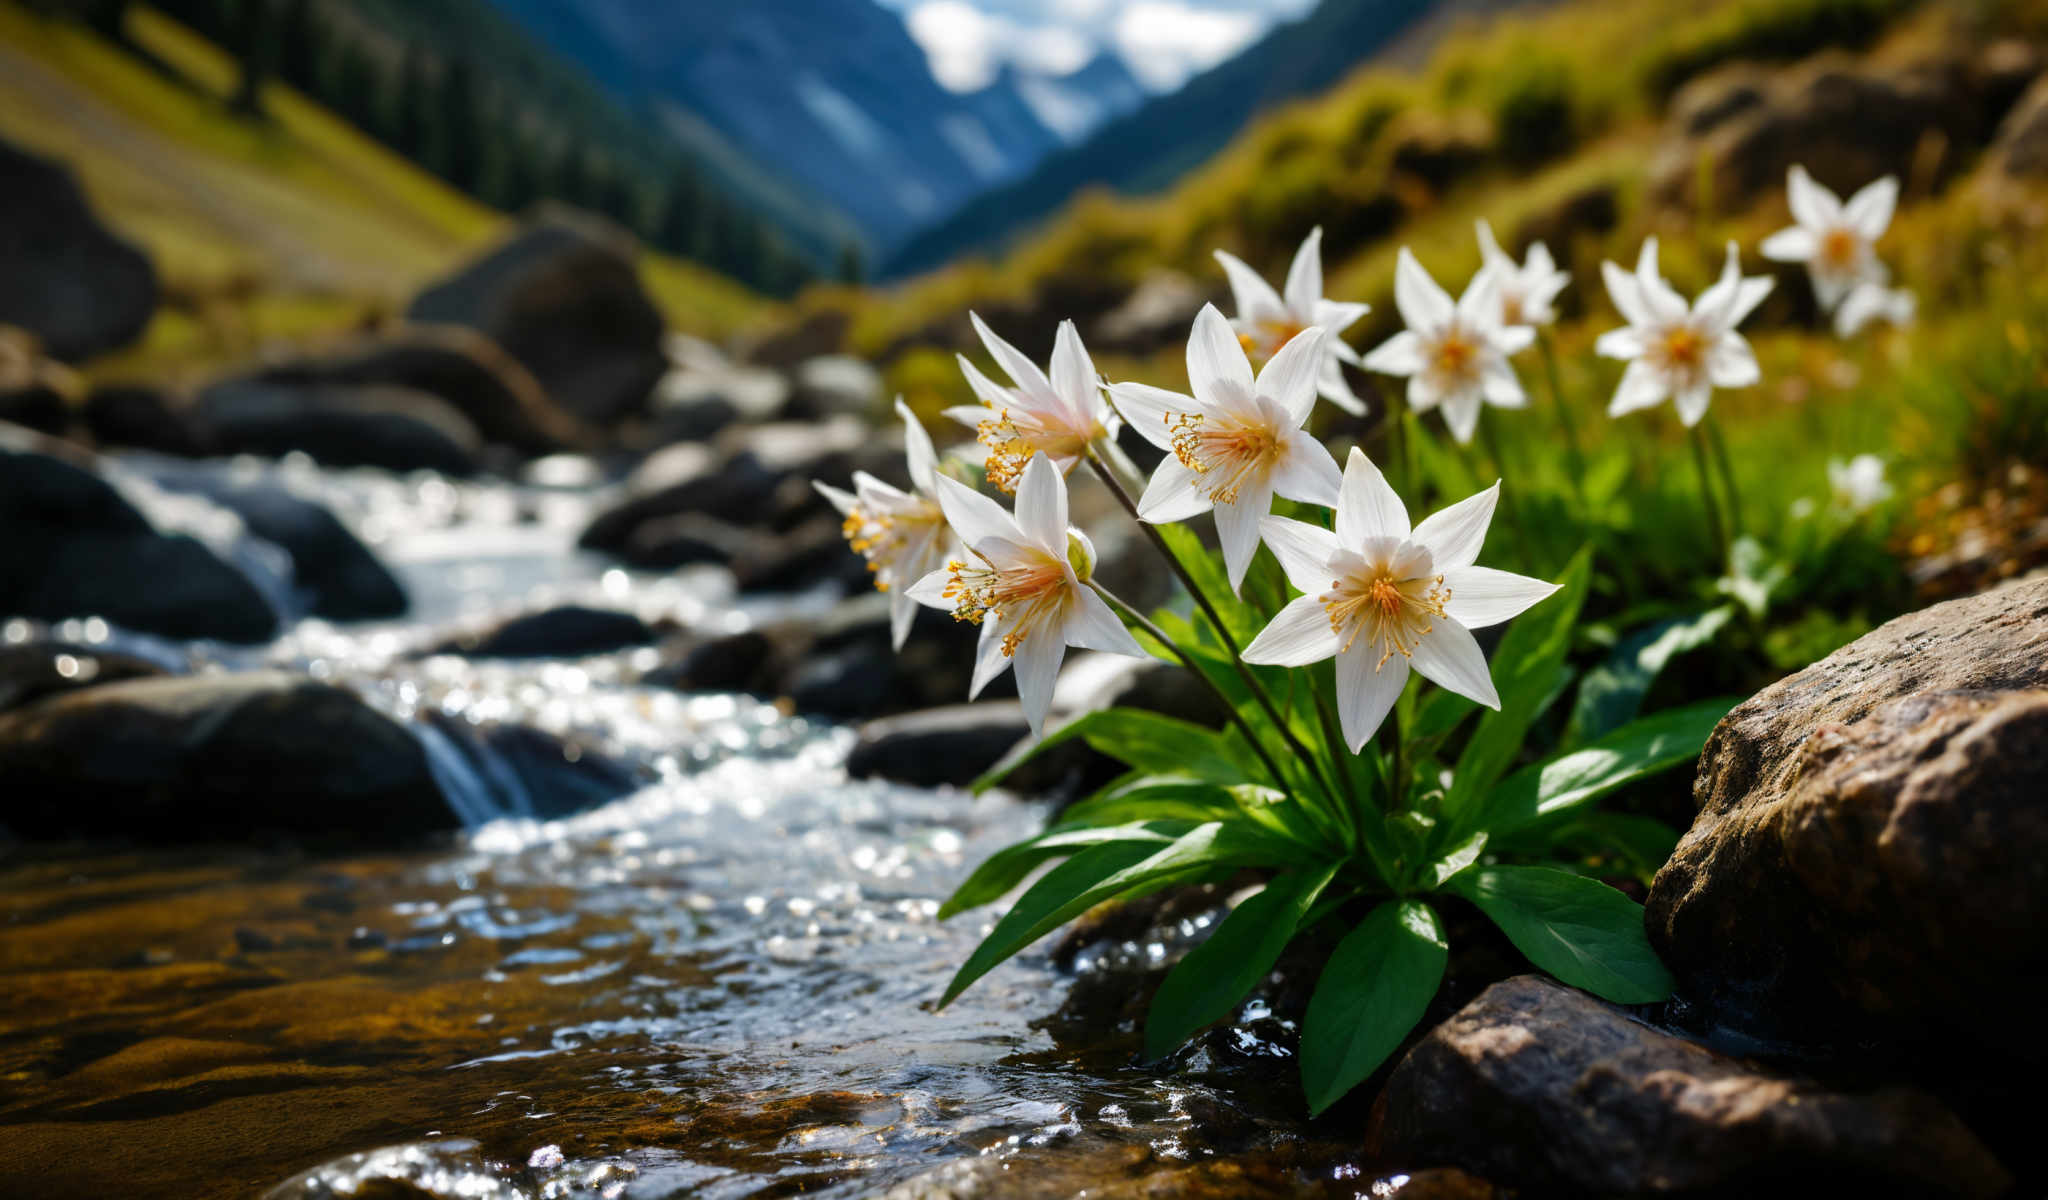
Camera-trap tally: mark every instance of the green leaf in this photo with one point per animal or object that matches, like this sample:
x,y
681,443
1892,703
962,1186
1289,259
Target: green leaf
x,y
1145,740
1153,798
1612,693
1454,862
1580,930
1241,620
1526,670
1215,975
1376,986
1006,868
1641,748
1641,843
1102,872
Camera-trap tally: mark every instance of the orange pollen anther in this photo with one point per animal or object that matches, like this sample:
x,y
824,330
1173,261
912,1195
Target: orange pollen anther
x,y
1232,451
1838,247
1684,348
1015,435
1030,594
1395,613
1454,356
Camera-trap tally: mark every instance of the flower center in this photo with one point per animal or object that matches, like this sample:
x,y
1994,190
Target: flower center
x,y
1026,595
1269,337
1226,453
1838,247
1017,434
1393,613
1684,349
1455,357
882,538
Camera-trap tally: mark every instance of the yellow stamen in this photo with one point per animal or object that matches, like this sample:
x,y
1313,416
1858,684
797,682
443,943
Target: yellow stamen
x,y
1234,450
1030,594
882,537
1396,613
1684,348
1455,356
1268,337
1838,247
1015,435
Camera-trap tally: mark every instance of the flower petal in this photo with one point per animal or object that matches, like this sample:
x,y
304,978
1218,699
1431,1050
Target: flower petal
x,y
1042,505
1794,243
930,590
1367,687
1398,355
1299,634
1289,377
973,516
1489,249
1149,409
1237,528
1812,205
1305,471
902,613
1625,342
1480,307
1020,369
1367,505
1502,386
1642,386
1731,363
1304,551
1073,376
1453,536
1305,276
841,500
1217,367
1461,414
986,390
1692,403
1424,306
1093,625
1449,657
922,457
1513,339
1482,596
1869,211
1332,386
989,659
1626,294
1174,494
1037,662
1663,302
1337,315
1254,298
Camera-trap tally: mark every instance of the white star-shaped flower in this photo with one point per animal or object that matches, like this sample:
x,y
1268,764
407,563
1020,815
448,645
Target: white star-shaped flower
x,y
1267,320
1836,241
1024,581
1528,291
1237,440
1379,597
1454,355
1061,415
1867,302
902,535
1674,351
1858,485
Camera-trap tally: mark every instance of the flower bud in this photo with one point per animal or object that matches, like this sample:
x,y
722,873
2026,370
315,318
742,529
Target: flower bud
x,y
1080,554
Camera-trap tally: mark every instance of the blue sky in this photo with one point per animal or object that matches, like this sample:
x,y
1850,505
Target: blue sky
x,y
1164,41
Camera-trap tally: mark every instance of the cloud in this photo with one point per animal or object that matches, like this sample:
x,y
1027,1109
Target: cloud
x,y
1166,41
966,46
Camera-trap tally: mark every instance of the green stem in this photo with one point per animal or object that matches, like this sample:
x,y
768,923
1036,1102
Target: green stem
x,y
1564,418
1707,501
1201,599
1187,660
1508,501
1721,461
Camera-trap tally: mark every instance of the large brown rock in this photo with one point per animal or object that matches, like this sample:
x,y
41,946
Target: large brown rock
x,y
1870,859
1560,1092
563,297
75,285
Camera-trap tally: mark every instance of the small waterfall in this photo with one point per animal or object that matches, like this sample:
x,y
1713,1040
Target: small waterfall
x,y
468,791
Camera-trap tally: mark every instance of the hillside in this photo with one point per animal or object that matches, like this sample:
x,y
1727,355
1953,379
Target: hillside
x,y
1150,148
262,230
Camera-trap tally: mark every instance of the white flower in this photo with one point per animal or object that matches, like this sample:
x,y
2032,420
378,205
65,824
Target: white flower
x,y
1267,320
1060,416
902,535
1836,241
1868,302
1527,292
1675,351
1379,596
1237,440
1024,581
1858,485
1453,354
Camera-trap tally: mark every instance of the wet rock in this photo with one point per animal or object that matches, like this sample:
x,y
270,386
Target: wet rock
x,y
563,297
938,746
35,392
203,757
684,540
78,548
734,662
340,577
812,554
1093,680
470,373
80,289
143,418
528,772
396,428
1544,1085
1868,860
704,392
567,631
833,385
413,1171
33,670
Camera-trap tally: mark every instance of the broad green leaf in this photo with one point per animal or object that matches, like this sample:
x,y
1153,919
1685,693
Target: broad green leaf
x,y
1440,712
1145,740
1643,844
1612,693
1641,748
1526,674
1215,975
1455,861
1376,986
1580,930
1153,798
1006,868
1106,871
1278,812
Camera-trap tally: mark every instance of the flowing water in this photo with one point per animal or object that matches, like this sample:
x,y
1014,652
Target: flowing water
x,y
720,985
